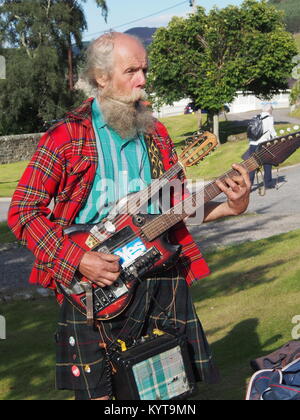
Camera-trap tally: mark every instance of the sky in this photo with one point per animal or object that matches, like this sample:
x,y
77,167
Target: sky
x,y
126,14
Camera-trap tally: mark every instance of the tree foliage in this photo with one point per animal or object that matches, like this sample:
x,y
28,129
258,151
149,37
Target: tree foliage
x,y
40,63
209,57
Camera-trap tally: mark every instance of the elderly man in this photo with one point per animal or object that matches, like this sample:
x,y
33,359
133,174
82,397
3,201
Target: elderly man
x,y
110,134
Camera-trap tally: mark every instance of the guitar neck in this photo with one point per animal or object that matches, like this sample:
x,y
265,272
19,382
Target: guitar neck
x,y
188,207
272,152
142,198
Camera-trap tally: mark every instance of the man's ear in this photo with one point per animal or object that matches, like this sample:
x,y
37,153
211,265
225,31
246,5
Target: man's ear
x,y
102,80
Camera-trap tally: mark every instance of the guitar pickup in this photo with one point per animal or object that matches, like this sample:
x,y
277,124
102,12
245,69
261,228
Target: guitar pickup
x,y
145,262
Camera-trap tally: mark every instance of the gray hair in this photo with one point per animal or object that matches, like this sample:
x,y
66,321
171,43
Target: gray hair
x,y
99,62
268,108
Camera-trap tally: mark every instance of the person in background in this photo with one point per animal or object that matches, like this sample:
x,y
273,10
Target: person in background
x,y
269,134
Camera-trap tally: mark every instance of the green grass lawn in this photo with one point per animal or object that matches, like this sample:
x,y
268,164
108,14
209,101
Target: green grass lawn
x,y
296,113
9,177
246,307
223,157
180,127
5,234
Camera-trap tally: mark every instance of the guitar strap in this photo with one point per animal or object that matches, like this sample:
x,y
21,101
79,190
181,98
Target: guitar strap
x,y
88,288
155,157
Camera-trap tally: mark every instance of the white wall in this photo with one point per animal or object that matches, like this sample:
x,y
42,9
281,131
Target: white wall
x,y
170,110
240,104
252,103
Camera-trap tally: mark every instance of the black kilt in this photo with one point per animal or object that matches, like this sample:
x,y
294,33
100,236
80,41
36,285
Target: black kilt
x,y
81,363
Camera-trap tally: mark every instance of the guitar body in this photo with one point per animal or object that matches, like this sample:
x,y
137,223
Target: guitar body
x,y
138,258
121,235
141,241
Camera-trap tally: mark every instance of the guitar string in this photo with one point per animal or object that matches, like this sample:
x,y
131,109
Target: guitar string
x,y
171,212
258,155
145,193
153,188
275,147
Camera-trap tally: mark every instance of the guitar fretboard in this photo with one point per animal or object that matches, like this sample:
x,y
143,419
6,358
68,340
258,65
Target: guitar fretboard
x,y
189,206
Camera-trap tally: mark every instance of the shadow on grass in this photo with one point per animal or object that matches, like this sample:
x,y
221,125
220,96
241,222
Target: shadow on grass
x,y
227,128
233,354
227,282
234,282
9,182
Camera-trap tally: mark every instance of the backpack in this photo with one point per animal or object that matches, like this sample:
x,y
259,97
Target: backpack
x,y
276,384
279,358
255,128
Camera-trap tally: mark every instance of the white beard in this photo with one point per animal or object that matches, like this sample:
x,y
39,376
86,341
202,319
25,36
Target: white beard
x,y
127,115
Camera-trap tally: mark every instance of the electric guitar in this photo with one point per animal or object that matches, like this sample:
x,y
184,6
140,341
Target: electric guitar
x,y
141,240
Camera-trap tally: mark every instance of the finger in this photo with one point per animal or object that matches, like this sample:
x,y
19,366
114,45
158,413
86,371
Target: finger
x,y
112,267
103,283
239,182
106,279
240,168
232,184
244,172
222,186
109,257
110,275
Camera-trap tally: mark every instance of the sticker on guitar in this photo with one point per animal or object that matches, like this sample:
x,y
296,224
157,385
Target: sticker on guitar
x,y
130,252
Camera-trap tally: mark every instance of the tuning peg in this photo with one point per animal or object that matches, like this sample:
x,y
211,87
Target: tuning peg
x,y
296,127
282,131
289,130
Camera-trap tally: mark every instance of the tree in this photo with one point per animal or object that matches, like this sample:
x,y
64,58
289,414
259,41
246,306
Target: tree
x,y
209,57
291,9
71,25
35,89
39,81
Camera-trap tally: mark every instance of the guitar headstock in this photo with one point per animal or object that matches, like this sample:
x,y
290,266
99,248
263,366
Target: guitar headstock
x,y
276,151
199,146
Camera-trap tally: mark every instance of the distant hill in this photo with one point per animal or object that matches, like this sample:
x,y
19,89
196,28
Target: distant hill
x,y
145,34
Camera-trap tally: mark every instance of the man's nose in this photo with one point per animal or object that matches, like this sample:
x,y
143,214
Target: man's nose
x,y
141,79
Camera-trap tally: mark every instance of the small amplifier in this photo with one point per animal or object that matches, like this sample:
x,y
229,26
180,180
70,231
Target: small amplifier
x,y
157,367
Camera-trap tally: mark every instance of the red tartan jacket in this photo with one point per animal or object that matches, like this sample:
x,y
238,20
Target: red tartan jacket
x,y
63,169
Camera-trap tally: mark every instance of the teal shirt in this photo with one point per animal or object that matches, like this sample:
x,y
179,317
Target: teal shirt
x,y
123,168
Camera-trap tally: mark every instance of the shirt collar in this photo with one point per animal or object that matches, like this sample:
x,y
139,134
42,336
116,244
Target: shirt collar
x,y
97,114
99,121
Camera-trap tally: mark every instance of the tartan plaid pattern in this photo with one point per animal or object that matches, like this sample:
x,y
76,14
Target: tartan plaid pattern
x,y
172,308
63,168
155,376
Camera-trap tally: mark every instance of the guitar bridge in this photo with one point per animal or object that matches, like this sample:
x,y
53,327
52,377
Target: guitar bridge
x,y
104,297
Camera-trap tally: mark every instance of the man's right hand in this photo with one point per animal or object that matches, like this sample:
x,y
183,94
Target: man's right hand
x,y
101,269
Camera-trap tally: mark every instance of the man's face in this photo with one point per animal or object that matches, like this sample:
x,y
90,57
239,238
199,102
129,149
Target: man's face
x,y
130,68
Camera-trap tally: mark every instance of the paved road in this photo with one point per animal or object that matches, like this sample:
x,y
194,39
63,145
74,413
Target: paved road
x,y
4,205
275,213
281,116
